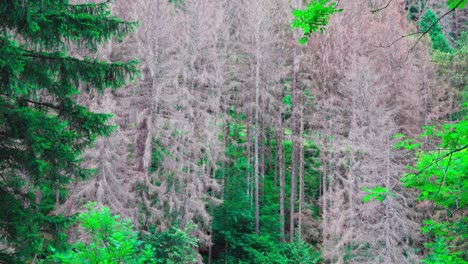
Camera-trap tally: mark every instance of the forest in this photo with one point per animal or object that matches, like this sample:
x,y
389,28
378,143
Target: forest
x,y
234,131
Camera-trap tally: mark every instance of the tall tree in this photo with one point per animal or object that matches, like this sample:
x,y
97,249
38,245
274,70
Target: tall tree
x,y
43,130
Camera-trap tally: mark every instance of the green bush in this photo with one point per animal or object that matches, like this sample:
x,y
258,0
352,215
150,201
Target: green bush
x,y
111,240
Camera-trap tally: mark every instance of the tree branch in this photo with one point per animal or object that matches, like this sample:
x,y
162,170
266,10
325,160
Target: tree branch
x,y
439,159
33,102
445,176
433,24
423,33
382,8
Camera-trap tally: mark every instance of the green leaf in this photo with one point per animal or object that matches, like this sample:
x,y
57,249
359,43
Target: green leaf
x,y
313,18
452,3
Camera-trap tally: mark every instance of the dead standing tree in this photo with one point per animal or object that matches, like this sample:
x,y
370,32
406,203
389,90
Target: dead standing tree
x,y
364,93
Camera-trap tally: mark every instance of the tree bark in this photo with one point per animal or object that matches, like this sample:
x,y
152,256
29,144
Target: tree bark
x,y
282,179
301,176
256,130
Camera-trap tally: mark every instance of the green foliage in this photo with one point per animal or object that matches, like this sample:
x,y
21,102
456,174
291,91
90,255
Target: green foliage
x,y
452,69
261,249
111,240
43,130
233,234
414,10
299,251
377,193
178,3
440,176
174,245
440,253
456,3
406,143
313,18
287,100
439,42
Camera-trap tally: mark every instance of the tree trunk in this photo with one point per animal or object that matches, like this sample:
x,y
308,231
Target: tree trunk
x,y
294,148
294,127
282,179
301,176
388,254
256,130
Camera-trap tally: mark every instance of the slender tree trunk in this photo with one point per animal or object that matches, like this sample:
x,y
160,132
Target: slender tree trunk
x,y
294,155
351,199
301,176
351,174
294,134
268,157
261,166
226,185
256,130
274,159
249,159
187,192
324,198
210,246
282,179
387,207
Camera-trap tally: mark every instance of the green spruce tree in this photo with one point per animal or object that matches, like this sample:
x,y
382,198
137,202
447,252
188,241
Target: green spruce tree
x,y
43,130
439,42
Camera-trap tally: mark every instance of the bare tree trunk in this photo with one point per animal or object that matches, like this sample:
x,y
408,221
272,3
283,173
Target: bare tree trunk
x,y
249,160
294,156
210,246
351,199
282,179
388,253
267,164
301,175
294,147
257,96
324,201
261,136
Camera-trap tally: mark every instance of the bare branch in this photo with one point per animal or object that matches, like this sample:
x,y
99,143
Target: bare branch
x,y
382,8
445,176
433,25
423,33
395,41
441,158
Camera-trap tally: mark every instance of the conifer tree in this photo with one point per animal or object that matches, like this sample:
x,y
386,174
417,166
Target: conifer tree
x,y
439,42
43,130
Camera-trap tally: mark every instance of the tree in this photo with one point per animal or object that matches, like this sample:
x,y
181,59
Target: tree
x,y
429,19
373,97
111,240
314,17
440,176
175,245
43,130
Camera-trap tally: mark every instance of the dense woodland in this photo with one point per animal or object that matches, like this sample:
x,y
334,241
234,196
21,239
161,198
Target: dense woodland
x,y
259,131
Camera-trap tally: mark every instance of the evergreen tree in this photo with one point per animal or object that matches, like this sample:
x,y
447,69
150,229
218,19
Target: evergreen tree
x,y
439,42
43,130
110,240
